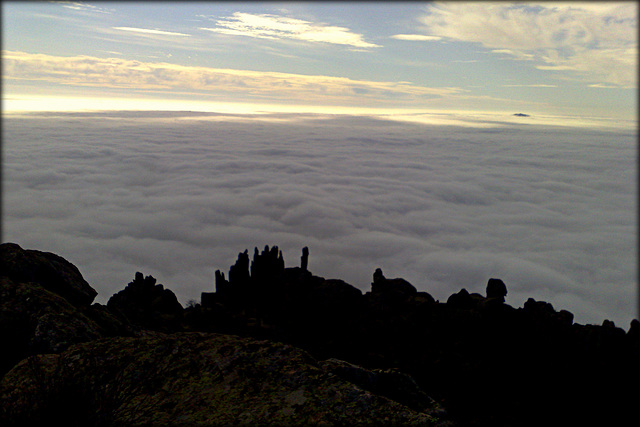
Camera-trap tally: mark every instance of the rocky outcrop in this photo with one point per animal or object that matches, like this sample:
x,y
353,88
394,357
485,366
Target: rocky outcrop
x,y
484,361
391,288
51,271
454,350
147,304
199,379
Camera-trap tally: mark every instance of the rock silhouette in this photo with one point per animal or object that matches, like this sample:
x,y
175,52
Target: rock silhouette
x,y
147,304
454,350
304,259
51,271
394,353
496,289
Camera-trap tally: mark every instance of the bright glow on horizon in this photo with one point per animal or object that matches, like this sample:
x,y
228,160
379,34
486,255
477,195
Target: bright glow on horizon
x,y
24,104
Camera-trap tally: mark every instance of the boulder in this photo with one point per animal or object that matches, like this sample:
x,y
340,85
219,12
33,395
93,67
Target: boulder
x,y
496,289
51,271
461,300
539,308
382,285
335,294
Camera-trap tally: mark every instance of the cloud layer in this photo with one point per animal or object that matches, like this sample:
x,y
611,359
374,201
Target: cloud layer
x,y
550,211
596,40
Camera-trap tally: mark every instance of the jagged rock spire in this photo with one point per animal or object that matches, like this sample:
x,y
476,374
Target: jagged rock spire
x,y
304,259
239,272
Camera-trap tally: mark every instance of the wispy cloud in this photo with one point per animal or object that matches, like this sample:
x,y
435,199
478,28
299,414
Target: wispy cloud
x,y
515,53
154,32
603,86
556,67
531,85
415,37
279,27
598,42
84,7
122,73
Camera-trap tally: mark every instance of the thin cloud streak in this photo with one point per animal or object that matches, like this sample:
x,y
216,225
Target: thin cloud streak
x,y
154,32
84,7
275,27
531,85
415,37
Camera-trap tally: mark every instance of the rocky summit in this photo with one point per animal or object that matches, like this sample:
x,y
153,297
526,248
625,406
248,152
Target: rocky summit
x,y
279,345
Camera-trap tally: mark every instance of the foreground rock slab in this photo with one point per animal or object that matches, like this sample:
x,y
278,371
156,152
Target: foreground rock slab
x,y
191,379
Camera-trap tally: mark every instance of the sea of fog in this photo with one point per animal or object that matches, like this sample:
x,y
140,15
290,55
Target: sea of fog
x,y
550,210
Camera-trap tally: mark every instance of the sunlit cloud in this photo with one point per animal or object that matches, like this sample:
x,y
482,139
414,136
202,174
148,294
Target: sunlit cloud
x,y
597,42
122,73
147,31
279,27
415,37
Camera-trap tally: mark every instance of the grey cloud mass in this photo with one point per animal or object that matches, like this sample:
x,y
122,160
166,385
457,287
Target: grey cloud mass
x,y
549,210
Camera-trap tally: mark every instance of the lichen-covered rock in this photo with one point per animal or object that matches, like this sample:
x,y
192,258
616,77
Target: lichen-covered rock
x,y
389,383
51,271
35,320
191,379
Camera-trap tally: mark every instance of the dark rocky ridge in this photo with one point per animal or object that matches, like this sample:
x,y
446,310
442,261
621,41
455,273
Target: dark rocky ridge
x,y
484,361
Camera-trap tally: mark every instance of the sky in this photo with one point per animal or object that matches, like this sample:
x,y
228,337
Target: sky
x,y
168,137
536,58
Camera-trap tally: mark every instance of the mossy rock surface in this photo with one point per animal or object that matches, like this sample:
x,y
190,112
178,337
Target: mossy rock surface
x,y
51,271
191,379
35,320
